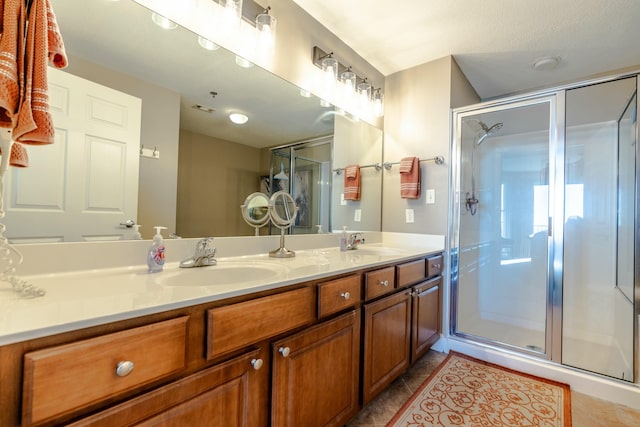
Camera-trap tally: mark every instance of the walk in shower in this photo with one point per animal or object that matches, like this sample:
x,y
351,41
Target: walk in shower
x,y
543,226
303,170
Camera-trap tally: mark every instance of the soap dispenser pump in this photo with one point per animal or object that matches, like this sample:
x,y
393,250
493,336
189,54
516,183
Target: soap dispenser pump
x,y
136,233
155,256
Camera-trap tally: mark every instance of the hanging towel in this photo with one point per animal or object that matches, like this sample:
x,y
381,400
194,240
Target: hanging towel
x,y
11,59
352,182
44,44
410,178
19,157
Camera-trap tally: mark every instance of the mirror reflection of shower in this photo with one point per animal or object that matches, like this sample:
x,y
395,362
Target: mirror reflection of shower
x,y
482,133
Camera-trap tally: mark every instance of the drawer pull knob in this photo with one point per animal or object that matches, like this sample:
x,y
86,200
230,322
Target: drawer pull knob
x,y
436,266
124,368
257,364
384,283
284,351
345,295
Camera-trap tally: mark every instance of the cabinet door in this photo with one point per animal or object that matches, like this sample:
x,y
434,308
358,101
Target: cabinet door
x,y
387,325
316,374
426,317
231,394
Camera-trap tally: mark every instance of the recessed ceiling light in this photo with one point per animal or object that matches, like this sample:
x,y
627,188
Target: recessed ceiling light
x,y
238,118
163,22
203,108
305,93
546,63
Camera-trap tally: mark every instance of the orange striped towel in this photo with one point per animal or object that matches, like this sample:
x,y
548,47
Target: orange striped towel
x,y
352,182
12,29
410,178
44,45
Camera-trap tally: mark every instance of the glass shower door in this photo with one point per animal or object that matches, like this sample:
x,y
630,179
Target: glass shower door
x,y
502,238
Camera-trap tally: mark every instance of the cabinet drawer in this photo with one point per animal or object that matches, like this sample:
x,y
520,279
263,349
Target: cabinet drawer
x,y
338,294
379,282
411,272
239,325
62,379
434,265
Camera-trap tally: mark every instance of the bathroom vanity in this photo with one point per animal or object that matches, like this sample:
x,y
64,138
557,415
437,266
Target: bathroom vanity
x,y
305,347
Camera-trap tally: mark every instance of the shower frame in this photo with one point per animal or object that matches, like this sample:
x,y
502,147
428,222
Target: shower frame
x,y
553,334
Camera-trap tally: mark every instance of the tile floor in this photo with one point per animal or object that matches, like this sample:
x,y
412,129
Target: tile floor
x,y
586,411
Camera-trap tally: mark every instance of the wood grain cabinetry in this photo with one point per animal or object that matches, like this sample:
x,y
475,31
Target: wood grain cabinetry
x,y
339,294
425,328
233,393
387,332
316,374
62,379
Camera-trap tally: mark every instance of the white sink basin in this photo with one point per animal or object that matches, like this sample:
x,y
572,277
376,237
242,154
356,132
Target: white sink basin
x,y
222,274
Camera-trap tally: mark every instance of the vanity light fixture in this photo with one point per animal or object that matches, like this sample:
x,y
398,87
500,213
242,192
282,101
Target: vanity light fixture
x,y
232,12
207,44
378,103
357,95
163,22
266,25
244,63
348,79
238,118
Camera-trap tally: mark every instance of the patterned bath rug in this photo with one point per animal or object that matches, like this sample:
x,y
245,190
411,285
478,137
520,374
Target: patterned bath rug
x,y
468,392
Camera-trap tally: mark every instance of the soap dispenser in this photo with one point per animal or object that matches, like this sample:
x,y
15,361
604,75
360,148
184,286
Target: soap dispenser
x,y
155,256
343,239
136,233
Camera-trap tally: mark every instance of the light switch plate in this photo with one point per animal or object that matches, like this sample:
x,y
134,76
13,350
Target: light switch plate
x,y
343,202
431,196
357,215
409,215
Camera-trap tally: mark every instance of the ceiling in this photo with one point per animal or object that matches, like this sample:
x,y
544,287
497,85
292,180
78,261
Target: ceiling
x,y
495,42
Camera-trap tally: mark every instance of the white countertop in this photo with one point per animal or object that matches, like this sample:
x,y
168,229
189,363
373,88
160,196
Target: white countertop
x,y
84,298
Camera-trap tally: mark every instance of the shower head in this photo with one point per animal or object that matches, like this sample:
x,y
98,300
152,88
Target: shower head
x,y
487,131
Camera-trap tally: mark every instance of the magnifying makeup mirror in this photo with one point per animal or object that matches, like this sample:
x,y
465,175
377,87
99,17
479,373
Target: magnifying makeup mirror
x,y
255,210
283,211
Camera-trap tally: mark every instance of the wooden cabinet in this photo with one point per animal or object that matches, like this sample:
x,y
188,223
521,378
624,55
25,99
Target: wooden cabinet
x,y
238,325
66,378
387,327
339,294
230,394
379,282
425,329
316,374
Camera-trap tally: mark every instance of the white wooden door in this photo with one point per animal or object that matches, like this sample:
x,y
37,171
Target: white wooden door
x,y
82,187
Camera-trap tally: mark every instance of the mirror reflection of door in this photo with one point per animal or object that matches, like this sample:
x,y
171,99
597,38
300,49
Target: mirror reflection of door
x,y
85,184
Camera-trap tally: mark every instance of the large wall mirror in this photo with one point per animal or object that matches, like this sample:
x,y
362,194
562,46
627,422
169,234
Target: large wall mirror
x,y
205,165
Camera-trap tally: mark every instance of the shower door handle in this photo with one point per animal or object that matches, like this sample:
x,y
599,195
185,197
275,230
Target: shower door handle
x,y
549,229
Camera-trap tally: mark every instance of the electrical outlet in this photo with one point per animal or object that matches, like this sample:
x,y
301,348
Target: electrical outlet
x,y
357,215
431,196
409,215
343,202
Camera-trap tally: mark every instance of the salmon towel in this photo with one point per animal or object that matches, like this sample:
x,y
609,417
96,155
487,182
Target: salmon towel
x,y
44,45
11,60
410,178
352,182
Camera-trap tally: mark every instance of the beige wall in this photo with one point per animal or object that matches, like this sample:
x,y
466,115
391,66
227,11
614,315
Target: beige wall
x,y
160,127
417,123
215,177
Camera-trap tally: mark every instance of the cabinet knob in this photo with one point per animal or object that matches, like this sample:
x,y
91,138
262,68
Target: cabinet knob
x,y
124,368
436,266
284,351
257,363
384,283
345,295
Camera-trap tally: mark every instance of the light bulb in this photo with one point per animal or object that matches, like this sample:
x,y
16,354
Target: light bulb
x,y
163,22
238,118
207,44
378,104
266,24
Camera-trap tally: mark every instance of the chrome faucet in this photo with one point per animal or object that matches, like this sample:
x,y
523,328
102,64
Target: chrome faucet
x,y
203,256
353,241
